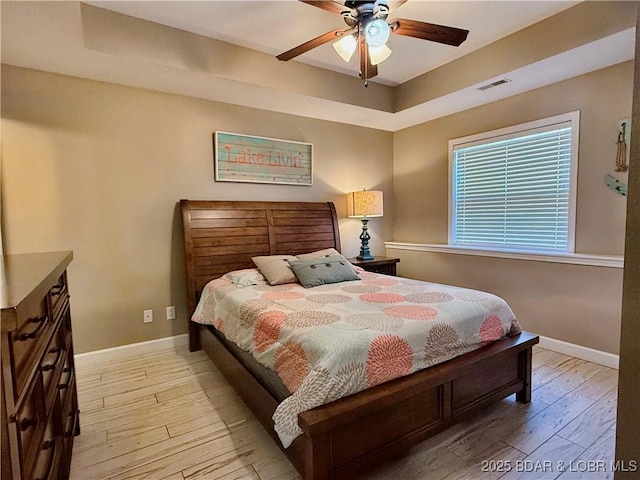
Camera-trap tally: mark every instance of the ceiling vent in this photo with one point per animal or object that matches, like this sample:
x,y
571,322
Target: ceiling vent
x,y
502,81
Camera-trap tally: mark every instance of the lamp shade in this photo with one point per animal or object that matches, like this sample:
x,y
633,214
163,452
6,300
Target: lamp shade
x,y
364,204
379,54
346,46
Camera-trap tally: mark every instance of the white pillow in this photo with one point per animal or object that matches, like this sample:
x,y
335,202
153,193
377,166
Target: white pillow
x,y
276,268
245,277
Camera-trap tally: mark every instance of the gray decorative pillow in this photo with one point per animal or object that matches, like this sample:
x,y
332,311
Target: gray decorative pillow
x,y
320,271
323,254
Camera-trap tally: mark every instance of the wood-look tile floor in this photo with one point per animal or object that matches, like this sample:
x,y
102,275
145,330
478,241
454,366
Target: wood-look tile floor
x,y
171,415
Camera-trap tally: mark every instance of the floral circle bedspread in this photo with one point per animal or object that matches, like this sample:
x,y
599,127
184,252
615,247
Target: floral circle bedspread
x,y
334,340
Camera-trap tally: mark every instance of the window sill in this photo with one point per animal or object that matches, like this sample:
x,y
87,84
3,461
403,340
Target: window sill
x,y
611,261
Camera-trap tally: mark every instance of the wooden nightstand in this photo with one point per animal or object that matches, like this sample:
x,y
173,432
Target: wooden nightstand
x,y
384,265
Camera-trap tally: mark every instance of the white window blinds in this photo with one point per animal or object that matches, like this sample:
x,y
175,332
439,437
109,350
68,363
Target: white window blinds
x,y
516,190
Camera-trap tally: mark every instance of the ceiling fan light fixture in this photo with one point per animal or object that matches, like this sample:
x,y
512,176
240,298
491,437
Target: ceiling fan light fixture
x,y
377,33
346,46
369,31
379,54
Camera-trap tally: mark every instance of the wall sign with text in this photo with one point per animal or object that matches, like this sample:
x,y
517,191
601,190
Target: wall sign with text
x,y
245,158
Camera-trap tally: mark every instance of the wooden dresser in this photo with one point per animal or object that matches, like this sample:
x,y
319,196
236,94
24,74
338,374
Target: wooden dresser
x,y
39,400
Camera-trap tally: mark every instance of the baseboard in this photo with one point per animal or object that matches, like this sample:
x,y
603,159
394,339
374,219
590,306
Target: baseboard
x,y
99,356
110,354
578,351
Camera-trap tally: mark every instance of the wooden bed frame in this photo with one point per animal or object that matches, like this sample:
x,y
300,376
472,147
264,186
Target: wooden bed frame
x,y
343,438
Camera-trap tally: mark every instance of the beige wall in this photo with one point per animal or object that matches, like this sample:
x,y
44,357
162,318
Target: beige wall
x,y
577,304
583,23
97,168
573,303
148,42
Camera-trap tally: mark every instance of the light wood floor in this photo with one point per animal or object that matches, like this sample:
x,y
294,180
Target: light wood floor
x,y
171,415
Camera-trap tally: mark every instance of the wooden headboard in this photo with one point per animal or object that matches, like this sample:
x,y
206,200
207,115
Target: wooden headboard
x,y
222,236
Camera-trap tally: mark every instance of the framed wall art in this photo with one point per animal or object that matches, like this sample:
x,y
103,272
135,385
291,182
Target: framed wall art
x,y
250,159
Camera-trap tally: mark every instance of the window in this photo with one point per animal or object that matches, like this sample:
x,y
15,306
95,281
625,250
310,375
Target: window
x,y
514,189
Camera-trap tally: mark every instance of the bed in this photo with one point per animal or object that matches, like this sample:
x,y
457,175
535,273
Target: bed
x,y
344,437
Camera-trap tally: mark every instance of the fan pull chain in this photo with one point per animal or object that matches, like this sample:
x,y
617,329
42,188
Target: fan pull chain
x,y
366,66
621,157
361,52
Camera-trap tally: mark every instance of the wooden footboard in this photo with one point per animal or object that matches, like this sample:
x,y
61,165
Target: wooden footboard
x,y
345,437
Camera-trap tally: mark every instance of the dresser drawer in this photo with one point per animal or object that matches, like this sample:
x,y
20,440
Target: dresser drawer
x,y
70,417
71,428
383,265
49,454
29,423
27,344
383,269
52,364
65,323
58,294
67,384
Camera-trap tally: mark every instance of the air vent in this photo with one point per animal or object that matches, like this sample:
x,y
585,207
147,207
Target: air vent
x,y
502,81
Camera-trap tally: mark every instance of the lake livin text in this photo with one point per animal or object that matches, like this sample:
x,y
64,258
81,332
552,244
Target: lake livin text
x,y
277,159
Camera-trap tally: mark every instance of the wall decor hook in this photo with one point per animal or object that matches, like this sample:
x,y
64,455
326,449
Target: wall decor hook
x,y
623,127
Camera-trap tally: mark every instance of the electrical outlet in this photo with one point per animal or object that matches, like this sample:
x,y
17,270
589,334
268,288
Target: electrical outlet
x,y
171,312
148,316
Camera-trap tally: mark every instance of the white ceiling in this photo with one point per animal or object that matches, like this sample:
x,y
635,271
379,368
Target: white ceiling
x,y
274,27
49,36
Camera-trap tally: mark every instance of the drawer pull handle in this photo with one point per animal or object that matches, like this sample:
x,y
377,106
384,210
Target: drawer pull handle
x,y
31,335
69,433
51,366
27,423
62,386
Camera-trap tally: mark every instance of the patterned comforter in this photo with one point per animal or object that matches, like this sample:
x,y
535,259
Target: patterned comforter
x,y
330,341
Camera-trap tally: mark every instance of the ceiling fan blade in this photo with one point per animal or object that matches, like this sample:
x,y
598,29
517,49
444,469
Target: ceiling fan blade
x,y
328,5
311,44
429,31
395,4
367,69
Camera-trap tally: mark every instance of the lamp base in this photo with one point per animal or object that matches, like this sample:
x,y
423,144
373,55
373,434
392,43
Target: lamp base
x,y
364,245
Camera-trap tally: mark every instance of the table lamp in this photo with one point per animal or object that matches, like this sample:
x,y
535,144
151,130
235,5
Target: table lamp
x,y
364,205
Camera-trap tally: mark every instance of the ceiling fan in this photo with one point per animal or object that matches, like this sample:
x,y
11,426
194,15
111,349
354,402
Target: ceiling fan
x,y
368,30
